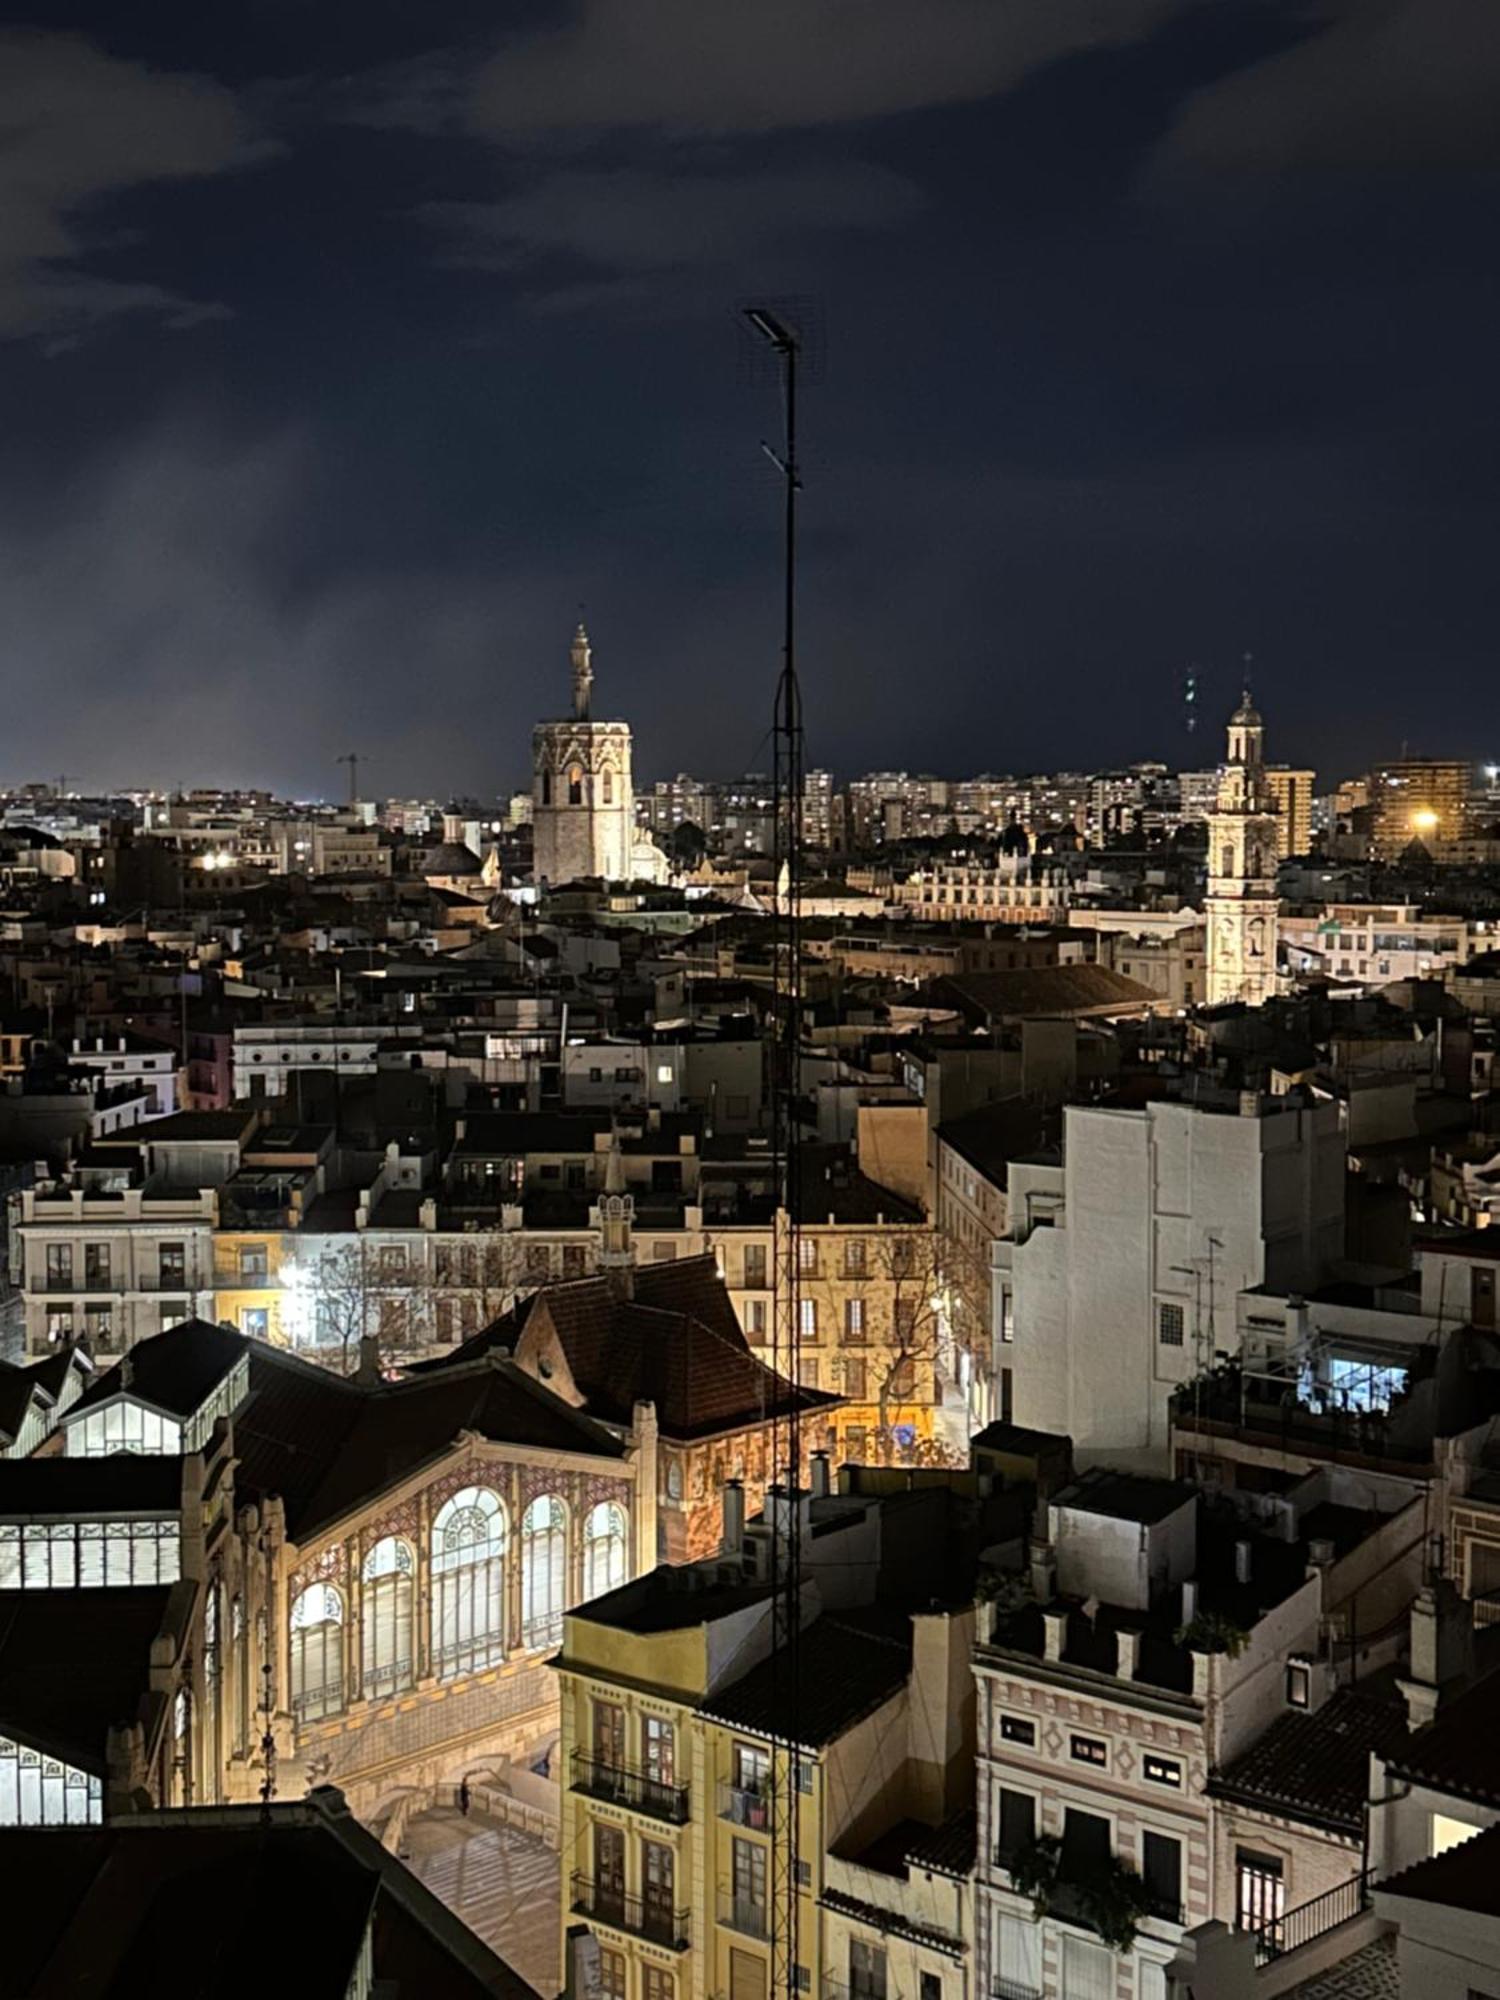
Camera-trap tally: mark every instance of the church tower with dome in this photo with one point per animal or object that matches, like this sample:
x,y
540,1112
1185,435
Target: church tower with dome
x,y
583,803
1241,905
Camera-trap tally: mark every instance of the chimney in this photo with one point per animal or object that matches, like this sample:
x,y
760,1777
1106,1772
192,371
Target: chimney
x,y
1043,1572
1242,1561
368,1372
821,1485
732,1542
1055,1625
1127,1653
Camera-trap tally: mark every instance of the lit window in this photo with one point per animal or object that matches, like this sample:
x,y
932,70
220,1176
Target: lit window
x,y
1162,1771
1089,1750
1298,1684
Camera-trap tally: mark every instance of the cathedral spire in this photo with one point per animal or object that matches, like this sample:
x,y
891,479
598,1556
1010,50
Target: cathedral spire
x,y
583,673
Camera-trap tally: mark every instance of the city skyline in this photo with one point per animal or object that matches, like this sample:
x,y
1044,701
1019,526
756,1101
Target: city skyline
x,y
343,362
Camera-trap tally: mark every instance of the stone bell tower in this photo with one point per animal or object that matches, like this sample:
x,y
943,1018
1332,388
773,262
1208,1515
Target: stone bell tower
x,y
583,807
1240,908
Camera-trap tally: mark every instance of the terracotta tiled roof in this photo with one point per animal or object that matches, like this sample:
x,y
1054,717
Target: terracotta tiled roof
x,y
676,1343
1317,1766
327,1445
1460,1878
1460,1751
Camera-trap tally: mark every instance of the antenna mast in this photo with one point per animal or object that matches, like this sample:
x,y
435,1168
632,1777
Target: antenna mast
x,y
786,952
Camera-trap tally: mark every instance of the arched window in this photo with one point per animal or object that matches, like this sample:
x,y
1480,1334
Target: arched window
x,y
385,1645
575,785
608,787
317,1652
469,1539
1226,860
603,1549
544,1555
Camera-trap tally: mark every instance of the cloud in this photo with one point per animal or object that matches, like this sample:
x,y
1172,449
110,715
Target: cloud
x,y
176,620
746,66
635,222
79,127
1397,84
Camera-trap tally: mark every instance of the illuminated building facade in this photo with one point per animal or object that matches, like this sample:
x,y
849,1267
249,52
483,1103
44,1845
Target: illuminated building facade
x,y
1241,904
1418,798
583,804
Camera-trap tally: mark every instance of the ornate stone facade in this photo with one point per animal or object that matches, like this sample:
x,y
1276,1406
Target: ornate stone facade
x,y
583,804
1241,905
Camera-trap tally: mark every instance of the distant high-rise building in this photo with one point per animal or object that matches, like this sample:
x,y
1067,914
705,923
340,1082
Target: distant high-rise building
x,y
1293,792
817,808
1241,904
1418,798
1198,794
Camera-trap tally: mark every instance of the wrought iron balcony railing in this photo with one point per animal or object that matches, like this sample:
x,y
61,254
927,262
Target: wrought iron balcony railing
x,y
745,1915
1275,1936
642,1917
746,1805
623,1786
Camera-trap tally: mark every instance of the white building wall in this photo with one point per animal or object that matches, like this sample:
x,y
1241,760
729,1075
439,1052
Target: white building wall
x,y
1169,1206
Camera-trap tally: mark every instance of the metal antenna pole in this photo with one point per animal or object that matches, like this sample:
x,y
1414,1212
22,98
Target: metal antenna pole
x,y
786,1537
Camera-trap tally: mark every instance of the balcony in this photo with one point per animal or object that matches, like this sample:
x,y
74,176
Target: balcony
x,y
1012,1989
746,1805
743,1914
622,1786
1279,1935
641,1918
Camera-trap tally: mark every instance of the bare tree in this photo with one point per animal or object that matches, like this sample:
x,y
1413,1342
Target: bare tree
x,y
889,1307
356,1296
341,1300
482,1274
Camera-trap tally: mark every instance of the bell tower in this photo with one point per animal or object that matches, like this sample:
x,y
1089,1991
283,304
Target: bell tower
x,y
582,802
1241,904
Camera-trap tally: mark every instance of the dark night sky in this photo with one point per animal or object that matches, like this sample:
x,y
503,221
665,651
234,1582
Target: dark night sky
x,y
349,346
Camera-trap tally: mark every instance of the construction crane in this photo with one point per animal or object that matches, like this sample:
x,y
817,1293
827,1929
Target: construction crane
x,y
351,758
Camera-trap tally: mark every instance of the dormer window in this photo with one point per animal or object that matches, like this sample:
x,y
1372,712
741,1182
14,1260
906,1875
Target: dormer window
x,y
1298,1684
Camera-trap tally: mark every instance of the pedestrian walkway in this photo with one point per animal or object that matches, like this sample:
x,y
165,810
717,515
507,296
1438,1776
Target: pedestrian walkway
x,y
505,1885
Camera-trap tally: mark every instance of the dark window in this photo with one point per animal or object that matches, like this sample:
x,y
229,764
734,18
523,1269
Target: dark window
x,y
1085,1847
1169,1325
1089,1750
1163,1771
931,1986
1015,1729
1017,1822
1161,1865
